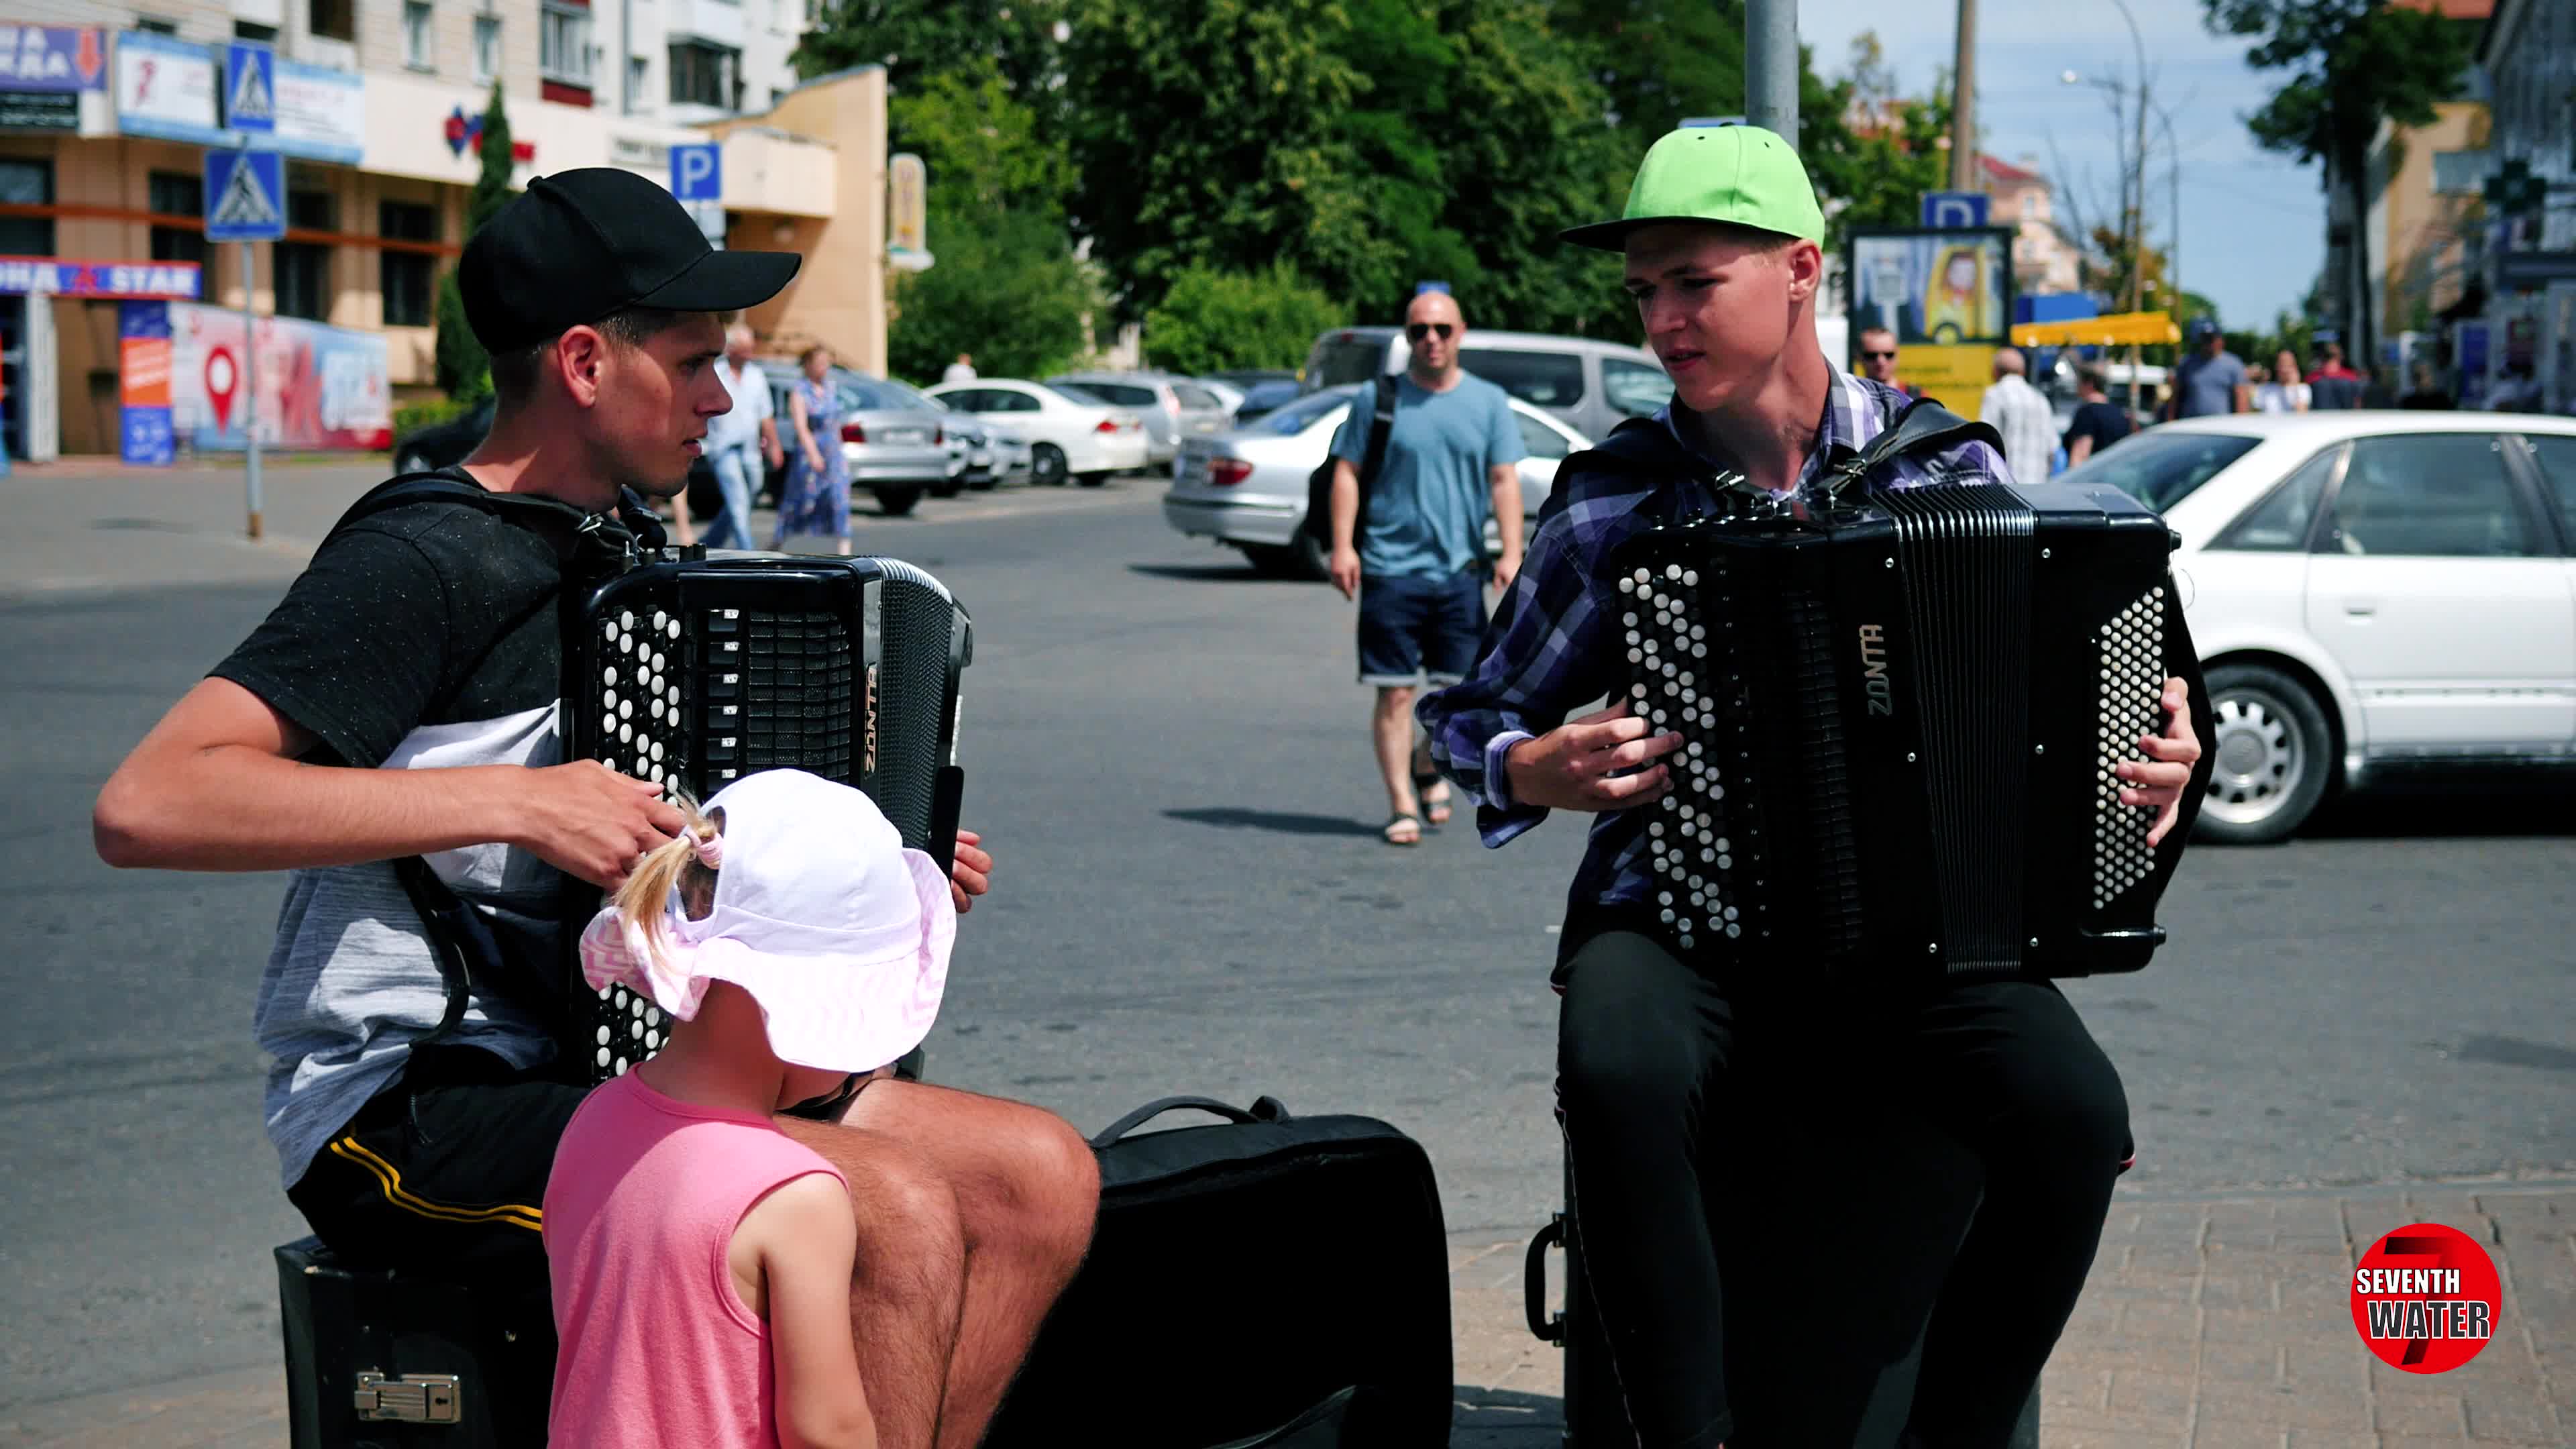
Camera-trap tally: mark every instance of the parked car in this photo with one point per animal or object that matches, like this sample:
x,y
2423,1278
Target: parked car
x,y
980,454
1263,398
443,445
1068,435
1590,385
1247,488
2367,590
1247,378
1173,408
894,447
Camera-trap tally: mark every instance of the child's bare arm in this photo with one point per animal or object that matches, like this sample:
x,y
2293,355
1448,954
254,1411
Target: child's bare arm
x,y
808,1245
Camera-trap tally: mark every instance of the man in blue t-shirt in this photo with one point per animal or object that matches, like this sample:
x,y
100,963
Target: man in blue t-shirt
x,y
1417,563
2212,379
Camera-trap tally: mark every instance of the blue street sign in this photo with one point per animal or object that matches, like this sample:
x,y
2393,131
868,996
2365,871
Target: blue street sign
x,y
245,192
1421,287
697,173
250,88
1954,210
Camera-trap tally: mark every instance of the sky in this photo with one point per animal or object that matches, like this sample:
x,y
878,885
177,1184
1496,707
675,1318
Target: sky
x,y
2253,223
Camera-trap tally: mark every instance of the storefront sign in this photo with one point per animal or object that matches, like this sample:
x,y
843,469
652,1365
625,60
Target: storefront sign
x,y
143,382
39,110
166,88
321,114
319,387
65,58
465,133
46,276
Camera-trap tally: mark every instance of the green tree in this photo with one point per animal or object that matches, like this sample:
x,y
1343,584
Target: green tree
x,y
1658,62
1006,289
1871,150
917,40
2353,65
458,363
1212,320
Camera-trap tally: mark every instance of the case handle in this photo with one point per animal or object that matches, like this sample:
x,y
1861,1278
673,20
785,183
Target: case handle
x,y
1264,1109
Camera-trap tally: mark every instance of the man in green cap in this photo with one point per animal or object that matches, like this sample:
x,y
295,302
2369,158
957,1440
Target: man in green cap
x,y
1722,238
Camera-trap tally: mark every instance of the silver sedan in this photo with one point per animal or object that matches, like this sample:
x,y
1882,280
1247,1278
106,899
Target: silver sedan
x,y
1247,487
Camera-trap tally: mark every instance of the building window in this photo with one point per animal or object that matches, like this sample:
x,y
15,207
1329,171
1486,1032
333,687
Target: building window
x,y
706,75
408,276
813,12
253,30
155,25
487,47
563,45
27,183
335,19
638,71
419,45
175,193
304,268
2030,206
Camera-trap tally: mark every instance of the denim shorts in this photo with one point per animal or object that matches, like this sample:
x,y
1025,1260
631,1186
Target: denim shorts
x,y
1416,630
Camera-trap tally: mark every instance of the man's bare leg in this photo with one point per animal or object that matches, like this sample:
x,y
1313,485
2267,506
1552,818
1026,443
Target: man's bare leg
x,y
908,1291
1026,1187
1391,732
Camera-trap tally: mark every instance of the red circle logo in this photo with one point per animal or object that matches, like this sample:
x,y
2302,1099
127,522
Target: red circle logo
x,y
2425,1298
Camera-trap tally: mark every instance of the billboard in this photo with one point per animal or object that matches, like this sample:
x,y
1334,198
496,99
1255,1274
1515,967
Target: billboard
x,y
1946,294
320,388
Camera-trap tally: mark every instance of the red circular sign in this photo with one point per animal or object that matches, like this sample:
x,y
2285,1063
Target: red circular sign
x,y
2425,1298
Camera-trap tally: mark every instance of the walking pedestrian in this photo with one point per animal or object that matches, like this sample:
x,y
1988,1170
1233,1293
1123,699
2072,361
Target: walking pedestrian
x,y
2212,379
2098,422
1451,463
2021,413
738,441
816,497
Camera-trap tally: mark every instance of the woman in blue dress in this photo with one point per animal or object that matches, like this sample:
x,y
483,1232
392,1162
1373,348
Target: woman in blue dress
x,y
816,496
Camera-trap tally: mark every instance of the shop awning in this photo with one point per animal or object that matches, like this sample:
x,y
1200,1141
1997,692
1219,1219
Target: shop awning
x,y
2120,329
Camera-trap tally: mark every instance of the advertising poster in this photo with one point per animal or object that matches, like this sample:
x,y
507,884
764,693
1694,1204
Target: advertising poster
x,y
1947,295
143,382
320,388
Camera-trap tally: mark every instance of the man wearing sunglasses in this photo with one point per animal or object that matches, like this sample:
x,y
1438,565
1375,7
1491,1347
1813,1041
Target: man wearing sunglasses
x,y
1878,360
1415,557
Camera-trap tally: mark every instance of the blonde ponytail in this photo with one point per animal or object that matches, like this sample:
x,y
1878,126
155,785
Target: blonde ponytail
x,y
672,865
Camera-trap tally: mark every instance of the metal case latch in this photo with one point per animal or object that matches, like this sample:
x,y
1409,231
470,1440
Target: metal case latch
x,y
410,1398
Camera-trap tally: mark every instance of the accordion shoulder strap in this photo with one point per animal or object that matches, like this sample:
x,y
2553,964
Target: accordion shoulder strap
x,y
642,527
1921,426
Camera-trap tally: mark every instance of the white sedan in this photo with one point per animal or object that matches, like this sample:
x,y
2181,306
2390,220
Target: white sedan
x,y
1066,436
2366,590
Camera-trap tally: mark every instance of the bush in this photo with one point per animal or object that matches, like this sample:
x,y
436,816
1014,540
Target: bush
x,y
1214,321
412,419
1007,289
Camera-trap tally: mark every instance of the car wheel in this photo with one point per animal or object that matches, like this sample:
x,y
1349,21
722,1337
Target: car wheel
x,y
2271,753
1094,480
896,502
1303,559
985,484
949,489
1046,466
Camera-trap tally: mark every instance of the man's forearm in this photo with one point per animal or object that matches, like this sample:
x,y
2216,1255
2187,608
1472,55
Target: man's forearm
x,y
1508,522
233,807
1346,503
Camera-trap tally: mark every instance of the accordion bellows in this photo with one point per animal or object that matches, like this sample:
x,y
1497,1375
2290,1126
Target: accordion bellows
x,y
1902,721
696,672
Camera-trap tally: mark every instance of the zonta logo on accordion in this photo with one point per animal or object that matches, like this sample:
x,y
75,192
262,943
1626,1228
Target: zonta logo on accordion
x,y
1873,667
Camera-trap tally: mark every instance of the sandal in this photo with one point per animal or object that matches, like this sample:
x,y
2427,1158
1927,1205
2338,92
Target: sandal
x,y
1403,829
1435,811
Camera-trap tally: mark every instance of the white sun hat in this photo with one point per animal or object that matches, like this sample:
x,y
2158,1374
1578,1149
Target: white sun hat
x,y
834,927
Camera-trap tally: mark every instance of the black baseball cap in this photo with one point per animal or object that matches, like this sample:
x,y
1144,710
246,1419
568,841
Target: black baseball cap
x,y
579,245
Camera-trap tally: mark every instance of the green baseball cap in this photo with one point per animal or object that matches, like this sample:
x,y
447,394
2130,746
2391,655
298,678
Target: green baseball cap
x,y
1739,174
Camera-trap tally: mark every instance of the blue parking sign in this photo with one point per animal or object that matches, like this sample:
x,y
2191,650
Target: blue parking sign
x,y
1954,210
697,173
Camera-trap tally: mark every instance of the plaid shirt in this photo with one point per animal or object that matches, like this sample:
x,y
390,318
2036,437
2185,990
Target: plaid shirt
x,y
1557,651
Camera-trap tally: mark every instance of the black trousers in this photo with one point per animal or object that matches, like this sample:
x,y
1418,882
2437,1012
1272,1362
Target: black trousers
x,y
1658,1066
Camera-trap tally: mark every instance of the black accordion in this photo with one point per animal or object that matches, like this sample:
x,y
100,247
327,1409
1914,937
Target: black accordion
x,y
694,671
1901,722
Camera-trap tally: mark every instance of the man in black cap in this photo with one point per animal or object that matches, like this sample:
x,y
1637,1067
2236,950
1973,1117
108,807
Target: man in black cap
x,y
401,701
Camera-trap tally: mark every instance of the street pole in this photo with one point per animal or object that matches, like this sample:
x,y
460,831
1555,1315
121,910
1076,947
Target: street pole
x,y
1771,67
250,381
1963,103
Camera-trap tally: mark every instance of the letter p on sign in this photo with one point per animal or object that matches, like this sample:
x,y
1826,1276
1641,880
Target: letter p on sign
x,y
697,173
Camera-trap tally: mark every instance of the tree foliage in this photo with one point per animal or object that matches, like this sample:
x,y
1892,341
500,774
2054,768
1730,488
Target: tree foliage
x,y
1871,150
1211,321
918,40
2352,65
458,363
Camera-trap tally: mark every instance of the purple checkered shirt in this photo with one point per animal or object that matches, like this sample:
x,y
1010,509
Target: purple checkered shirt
x,y
1558,651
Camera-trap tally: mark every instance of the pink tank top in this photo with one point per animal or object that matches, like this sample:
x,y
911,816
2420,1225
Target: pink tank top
x,y
658,1349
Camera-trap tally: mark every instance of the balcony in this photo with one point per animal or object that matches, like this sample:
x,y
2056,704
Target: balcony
x,y
719,22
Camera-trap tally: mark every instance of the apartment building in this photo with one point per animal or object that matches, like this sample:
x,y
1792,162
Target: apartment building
x,y
2043,261
107,112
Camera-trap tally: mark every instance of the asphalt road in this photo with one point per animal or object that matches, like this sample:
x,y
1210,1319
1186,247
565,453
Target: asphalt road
x,y
1170,759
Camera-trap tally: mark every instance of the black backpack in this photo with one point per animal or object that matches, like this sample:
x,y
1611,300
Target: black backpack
x,y
1318,523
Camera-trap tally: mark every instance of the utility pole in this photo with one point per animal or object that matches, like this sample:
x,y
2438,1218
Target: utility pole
x,y
1771,66
1963,103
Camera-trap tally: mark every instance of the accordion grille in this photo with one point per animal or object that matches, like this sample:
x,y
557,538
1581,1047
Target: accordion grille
x,y
2132,653
797,707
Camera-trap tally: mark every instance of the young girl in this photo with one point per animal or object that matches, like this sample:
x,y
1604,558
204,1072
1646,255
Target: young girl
x,y
700,1257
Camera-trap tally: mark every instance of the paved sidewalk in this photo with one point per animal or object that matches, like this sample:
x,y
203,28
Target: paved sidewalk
x,y
2217,1323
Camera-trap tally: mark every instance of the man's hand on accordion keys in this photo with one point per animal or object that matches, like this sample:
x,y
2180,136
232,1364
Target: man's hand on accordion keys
x,y
588,820
2158,782
1578,764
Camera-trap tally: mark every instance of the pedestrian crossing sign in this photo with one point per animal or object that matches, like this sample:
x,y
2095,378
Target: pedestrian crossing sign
x,y
246,187
250,88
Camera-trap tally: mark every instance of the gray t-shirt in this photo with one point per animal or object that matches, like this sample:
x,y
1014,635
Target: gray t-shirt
x,y
2206,385
1428,505
421,638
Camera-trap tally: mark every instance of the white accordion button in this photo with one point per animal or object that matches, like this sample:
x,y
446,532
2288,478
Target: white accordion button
x,y
1690,578
608,675
626,619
